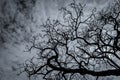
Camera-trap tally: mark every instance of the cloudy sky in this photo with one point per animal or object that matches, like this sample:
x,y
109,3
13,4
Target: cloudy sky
x,y
12,54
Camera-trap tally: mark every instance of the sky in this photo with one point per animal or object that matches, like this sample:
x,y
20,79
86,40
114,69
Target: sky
x,y
11,54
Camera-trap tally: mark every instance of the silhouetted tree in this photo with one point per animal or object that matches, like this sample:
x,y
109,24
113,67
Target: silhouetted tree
x,y
78,46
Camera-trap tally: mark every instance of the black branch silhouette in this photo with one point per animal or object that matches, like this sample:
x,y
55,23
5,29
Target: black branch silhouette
x,y
81,45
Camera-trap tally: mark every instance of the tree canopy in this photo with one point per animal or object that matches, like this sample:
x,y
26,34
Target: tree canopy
x,y
78,46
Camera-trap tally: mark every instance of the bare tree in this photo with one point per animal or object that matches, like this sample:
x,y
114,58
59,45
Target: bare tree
x,y
79,46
